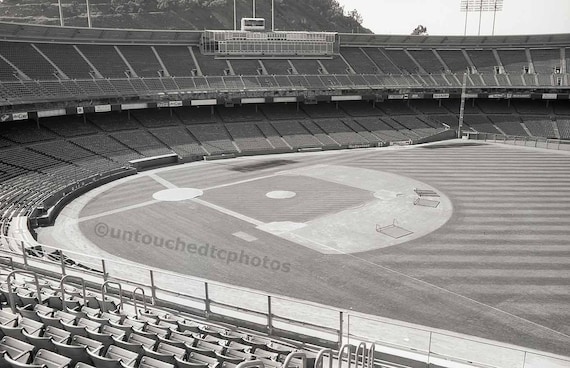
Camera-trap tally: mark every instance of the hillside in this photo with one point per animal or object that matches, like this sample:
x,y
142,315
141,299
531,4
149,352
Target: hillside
x,y
309,15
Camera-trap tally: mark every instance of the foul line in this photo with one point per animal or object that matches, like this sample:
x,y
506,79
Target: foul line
x,y
162,181
228,212
118,210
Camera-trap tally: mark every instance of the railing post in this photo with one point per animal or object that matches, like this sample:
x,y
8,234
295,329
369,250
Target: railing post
x,y
104,270
24,255
269,316
152,287
340,329
62,261
206,301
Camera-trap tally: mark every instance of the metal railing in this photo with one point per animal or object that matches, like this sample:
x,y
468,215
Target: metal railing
x,y
276,313
536,142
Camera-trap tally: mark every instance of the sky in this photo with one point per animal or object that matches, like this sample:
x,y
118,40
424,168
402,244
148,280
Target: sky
x,y
443,17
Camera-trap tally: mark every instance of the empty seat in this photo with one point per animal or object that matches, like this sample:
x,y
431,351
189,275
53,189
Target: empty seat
x,y
148,362
83,324
46,340
165,353
135,343
115,357
14,349
31,327
77,349
195,360
43,358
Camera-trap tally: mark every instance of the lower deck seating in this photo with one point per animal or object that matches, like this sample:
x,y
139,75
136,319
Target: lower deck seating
x,y
340,132
93,331
540,127
214,138
248,137
295,134
179,140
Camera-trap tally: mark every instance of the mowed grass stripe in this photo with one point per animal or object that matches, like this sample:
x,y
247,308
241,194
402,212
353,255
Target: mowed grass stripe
x,y
510,235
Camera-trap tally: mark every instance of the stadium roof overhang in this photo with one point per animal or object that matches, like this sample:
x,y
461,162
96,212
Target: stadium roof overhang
x,y
46,33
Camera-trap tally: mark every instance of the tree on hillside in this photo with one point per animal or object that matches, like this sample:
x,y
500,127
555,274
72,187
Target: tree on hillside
x,y
420,31
354,14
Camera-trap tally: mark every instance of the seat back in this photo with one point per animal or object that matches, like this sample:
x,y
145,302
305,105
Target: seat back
x,y
148,362
51,359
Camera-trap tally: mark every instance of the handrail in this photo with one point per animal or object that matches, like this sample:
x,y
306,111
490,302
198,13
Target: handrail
x,y
104,287
11,293
62,288
361,354
251,363
349,348
135,300
320,357
295,354
371,355
416,346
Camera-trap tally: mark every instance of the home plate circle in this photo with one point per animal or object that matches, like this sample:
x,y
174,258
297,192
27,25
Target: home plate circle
x,y
177,194
280,194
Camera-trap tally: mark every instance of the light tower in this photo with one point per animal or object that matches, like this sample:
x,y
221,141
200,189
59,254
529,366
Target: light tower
x,y
470,6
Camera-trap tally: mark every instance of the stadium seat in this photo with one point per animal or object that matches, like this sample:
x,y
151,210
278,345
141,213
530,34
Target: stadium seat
x,y
115,357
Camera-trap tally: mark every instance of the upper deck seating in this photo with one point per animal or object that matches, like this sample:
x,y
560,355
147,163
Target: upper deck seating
x,y
306,66
402,60
67,59
484,60
358,60
514,61
277,66
7,73
142,59
335,66
106,60
454,59
209,65
545,60
177,60
427,60
28,60
245,67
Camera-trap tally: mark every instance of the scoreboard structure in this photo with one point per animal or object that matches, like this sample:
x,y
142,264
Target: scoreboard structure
x,y
269,44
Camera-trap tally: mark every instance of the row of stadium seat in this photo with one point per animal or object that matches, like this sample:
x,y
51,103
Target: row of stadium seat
x,y
60,325
49,61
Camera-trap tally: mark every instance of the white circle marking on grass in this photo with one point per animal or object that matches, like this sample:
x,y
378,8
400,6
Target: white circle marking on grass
x,y
281,194
177,194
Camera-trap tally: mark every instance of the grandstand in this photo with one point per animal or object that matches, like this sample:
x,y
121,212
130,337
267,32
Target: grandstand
x,y
81,108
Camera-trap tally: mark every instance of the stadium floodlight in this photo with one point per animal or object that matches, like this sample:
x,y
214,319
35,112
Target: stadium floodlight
x,y
60,13
88,14
469,6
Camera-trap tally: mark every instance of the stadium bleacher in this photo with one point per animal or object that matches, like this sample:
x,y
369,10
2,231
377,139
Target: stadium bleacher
x,y
64,150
